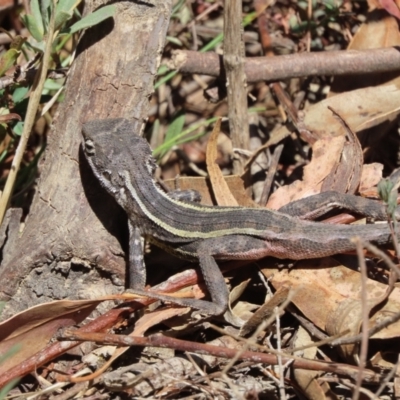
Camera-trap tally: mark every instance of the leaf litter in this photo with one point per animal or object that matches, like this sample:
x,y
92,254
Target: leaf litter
x,y
326,292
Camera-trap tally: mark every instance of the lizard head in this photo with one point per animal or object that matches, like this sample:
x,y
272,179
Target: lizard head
x,y
112,148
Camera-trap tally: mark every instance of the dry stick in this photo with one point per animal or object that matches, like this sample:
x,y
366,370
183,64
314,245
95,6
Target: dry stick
x,y
260,69
387,379
266,43
365,319
281,385
201,348
271,174
236,79
33,104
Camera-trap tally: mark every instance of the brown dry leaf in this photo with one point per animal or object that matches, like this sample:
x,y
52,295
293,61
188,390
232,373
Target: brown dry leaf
x,y
240,311
10,117
384,360
360,109
391,6
156,317
370,176
326,152
378,31
221,191
327,292
306,379
203,186
346,174
32,329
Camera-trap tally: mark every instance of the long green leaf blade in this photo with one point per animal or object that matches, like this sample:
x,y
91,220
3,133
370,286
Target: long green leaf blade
x,y
93,19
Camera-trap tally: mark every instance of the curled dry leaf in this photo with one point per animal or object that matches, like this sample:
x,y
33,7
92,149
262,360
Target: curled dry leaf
x,y
306,379
31,330
361,109
325,288
325,155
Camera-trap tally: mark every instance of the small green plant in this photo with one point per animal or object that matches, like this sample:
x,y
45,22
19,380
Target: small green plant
x,y
51,23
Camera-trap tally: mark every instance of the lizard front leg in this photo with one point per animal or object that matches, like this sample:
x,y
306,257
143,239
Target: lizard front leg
x,y
215,283
228,247
211,273
136,267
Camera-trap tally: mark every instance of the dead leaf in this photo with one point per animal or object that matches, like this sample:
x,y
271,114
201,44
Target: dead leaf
x,y
220,188
379,30
32,329
326,152
327,292
306,379
10,117
346,174
370,176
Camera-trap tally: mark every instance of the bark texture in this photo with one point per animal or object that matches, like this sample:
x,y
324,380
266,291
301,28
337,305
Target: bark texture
x,y
71,245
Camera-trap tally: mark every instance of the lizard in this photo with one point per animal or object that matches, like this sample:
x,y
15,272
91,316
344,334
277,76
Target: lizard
x,y
122,161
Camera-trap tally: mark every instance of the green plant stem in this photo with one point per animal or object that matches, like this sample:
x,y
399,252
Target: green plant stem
x,y
33,105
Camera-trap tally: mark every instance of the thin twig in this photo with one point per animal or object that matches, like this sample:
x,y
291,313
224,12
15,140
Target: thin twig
x,y
282,393
365,319
236,79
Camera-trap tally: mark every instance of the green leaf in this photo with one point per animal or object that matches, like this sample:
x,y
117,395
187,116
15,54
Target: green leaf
x,y
7,388
66,5
37,15
7,60
52,85
20,93
174,40
45,8
176,126
388,194
61,18
183,136
18,128
64,11
173,131
8,354
93,19
385,187
30,23
17,42
36,46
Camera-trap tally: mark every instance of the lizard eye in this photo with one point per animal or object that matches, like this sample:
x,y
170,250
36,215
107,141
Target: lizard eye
x,y
107,174
89,147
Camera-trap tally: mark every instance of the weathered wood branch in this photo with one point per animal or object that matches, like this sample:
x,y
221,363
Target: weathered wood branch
x,y
71,243
333,63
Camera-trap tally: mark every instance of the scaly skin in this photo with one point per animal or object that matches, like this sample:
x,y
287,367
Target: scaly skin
x,y
122,162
